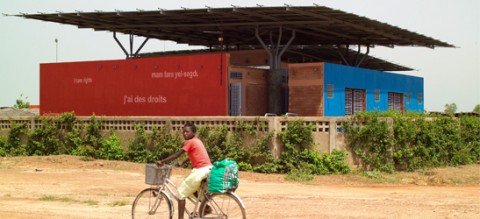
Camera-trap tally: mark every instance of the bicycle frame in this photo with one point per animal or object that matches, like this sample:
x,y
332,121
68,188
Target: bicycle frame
x,y
170,186
168,190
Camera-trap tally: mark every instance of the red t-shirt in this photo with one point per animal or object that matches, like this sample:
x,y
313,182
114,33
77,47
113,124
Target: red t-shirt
x,y
197,153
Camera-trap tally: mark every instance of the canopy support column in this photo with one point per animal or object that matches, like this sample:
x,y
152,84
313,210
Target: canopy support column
x,y
120,44
364,55
348,61
131,54
275,74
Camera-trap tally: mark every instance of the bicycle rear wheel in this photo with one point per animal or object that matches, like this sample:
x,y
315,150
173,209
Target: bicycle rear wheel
x,y
222,205
150,203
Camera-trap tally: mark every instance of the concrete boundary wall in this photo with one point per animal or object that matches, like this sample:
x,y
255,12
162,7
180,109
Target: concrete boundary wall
x,y
327,131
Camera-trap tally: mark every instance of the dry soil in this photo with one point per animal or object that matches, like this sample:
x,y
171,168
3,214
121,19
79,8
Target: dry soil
x,y
68,187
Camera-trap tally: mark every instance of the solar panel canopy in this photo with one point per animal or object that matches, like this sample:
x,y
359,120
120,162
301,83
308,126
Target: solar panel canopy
x,y
305,29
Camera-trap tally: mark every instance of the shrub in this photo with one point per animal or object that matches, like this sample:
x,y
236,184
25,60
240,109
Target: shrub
x,y
15,144
3,151
299,156
470,136
93,136
70,136
371,143
215,140
137,149
413,141
44,140
110,149
85,151
254,155
163,143
302,173
296,138
335,162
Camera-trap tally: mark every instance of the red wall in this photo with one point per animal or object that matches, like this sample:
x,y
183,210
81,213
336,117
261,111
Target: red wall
x,y
162,86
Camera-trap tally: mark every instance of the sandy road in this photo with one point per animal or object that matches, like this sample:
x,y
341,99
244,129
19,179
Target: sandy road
x,y
66,187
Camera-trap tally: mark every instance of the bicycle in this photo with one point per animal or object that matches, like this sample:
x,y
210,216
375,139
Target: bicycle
x,y
156,201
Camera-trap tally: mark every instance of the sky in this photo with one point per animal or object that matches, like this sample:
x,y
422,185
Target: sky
x,y
451,75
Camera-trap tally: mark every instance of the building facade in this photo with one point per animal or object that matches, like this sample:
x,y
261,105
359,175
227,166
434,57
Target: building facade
x,y
220,84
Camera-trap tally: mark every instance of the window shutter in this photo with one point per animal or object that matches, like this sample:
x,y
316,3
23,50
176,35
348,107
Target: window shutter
x,y
348,102
235,99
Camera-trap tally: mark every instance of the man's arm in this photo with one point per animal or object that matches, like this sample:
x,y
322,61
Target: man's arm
x,y
171,157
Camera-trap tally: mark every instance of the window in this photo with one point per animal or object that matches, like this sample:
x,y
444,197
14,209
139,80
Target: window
x,y
330,90
235,99
420,98
377,95
408,97
395,101
354,101
236,75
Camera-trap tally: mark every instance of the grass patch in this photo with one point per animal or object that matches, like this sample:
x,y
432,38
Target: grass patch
x,y
120,203
47,198
6,165
300,175
91,202
67,199
380,177
87,158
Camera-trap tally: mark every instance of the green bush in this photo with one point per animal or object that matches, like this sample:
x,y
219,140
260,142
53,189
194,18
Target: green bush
x,y
85,151
299,155
470,137
44,140
17,138
70,136
413,142
372,144
399,142
110,149
297,142
253,155
3,151
93,136
302,173
335,162
215,140
164,143
137,149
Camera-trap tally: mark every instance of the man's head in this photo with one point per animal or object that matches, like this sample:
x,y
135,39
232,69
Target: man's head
x,y
189,130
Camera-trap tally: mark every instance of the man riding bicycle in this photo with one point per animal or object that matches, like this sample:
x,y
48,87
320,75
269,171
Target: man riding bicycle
x,y
198,156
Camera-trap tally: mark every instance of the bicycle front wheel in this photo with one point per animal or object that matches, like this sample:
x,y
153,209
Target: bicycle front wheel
x,y
150,203
222,205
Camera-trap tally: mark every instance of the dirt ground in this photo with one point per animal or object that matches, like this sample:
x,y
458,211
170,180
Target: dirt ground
x,y
67,187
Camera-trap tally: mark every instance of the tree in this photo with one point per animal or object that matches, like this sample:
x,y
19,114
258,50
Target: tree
x,y
450,108
477,108
21,103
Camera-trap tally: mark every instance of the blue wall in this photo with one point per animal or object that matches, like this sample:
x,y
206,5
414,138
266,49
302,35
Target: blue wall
x,y
358,78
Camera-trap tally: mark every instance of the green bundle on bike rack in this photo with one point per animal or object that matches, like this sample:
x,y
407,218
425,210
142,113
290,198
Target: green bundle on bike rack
x,y
223,177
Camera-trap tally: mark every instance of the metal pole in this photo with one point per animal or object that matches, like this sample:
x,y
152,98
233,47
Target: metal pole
x,y
56,50
120,44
